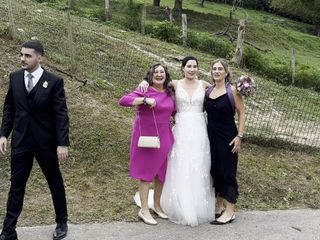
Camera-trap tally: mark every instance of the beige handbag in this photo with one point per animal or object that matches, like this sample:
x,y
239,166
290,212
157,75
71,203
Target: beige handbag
x,y
149,141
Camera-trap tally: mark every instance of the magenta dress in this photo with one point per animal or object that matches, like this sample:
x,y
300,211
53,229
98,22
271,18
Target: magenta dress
x,y
147,163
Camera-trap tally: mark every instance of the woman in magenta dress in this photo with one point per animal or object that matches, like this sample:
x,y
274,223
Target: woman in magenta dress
x,y
150,164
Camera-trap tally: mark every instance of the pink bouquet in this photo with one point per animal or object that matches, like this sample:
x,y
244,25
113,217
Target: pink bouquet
x,y
245,86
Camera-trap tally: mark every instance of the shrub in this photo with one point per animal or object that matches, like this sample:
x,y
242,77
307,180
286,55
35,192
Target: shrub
x,y
272,68
207,43
95,14
307,77
278,71
4,30
132,22
253,60
165,31
42,1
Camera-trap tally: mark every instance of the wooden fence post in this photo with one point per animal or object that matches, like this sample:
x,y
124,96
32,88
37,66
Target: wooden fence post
x,y
184,29
107,10
73,67
293,66
12,30
170,15
143,18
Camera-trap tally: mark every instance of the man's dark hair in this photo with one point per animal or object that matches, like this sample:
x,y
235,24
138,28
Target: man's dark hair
x,y
34,44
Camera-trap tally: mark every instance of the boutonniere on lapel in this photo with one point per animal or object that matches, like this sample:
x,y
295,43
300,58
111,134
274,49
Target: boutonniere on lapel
x,y
45,84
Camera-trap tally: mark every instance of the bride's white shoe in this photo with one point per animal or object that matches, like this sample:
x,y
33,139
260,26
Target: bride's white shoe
x,y
160,214
149,221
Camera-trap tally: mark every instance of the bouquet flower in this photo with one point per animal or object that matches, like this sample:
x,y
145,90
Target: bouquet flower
x,y
245,86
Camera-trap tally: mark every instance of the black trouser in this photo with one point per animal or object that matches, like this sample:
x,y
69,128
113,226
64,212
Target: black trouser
x,y
21,165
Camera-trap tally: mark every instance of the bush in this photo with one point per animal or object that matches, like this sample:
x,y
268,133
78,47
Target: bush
x,y
95,14
263,5
253,60
278,71
42,1
207,43
132,22
307,77
4,30
271,68
165,31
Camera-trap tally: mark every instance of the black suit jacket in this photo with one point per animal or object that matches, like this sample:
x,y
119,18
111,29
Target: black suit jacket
x,y
46,118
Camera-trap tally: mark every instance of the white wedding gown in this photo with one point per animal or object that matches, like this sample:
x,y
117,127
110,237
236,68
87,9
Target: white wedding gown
x,y
188,193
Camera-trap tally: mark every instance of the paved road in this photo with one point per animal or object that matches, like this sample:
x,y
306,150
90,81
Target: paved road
x,y
256,225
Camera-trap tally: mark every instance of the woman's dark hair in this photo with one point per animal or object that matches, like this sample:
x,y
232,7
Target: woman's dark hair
x,y
35,45
149,77
186,59
225,65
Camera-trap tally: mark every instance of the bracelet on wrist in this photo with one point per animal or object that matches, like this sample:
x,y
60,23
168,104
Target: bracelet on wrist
x,y
240,136
144,101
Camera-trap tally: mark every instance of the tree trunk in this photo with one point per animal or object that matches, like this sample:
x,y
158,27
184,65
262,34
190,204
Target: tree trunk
x,y
202,3
317,30
238,56
107,10
156,3
184,29
177,6
12,30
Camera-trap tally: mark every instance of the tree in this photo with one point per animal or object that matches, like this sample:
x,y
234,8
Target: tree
x,y
156,3
238,55
307,10
177,6
202,3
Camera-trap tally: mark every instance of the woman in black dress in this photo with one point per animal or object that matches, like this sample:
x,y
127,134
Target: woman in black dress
x,y
221,102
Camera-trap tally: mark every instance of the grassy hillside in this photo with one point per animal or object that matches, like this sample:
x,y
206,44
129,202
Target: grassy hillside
x,y
276,35
265,30
96,175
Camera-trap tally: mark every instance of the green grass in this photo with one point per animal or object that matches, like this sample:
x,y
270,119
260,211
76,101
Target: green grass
x,y
267,31
276,34
96,174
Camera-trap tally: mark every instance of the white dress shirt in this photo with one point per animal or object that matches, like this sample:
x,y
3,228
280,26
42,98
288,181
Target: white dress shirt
x,y
36,76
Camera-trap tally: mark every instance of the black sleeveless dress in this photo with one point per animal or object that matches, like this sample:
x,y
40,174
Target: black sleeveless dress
x,y
221,131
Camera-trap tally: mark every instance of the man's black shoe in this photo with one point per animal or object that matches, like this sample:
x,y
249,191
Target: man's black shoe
x,y
5,236
60,232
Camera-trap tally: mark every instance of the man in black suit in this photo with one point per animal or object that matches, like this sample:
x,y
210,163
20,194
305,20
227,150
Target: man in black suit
x,y
35,111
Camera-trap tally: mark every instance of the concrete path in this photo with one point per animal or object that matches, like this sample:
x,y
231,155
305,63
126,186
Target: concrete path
x,y
256,225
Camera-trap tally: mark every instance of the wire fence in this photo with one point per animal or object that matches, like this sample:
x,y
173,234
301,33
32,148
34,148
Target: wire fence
x,y
284,113
274,112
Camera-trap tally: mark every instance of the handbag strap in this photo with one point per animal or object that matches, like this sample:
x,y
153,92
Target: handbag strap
x,y
155,122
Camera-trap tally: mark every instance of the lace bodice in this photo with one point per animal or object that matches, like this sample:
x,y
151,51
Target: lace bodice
x,y
187,103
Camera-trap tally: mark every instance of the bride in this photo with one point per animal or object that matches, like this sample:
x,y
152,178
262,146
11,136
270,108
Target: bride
x,y
188,194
